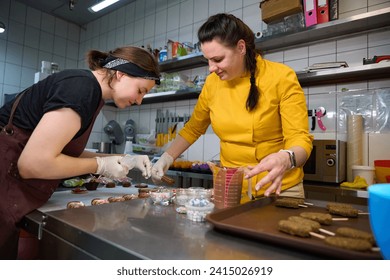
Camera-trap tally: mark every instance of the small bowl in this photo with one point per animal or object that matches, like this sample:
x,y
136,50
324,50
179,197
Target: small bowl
x,y
197,210
161,196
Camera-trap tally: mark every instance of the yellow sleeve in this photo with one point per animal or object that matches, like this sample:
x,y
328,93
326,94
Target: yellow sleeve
x,y
293,111
200,119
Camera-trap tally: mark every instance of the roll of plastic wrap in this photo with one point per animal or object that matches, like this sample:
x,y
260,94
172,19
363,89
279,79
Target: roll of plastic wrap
x,y
355,132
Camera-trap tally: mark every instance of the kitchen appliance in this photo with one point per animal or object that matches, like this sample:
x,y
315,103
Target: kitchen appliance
x,y
327,162
115,133
130,136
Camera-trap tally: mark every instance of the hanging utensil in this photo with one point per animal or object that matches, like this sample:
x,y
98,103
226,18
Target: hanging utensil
x,y
320,112
165,129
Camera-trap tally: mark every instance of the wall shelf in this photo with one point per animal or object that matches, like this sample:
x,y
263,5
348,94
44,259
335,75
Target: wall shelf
x,y
345,75
306,79
186,62
182,94
326,31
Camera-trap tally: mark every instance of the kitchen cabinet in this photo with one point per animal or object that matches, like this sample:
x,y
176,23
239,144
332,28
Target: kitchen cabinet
x,y
366,22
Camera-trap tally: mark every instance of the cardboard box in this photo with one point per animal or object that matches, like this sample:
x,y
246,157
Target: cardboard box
x,y
273,10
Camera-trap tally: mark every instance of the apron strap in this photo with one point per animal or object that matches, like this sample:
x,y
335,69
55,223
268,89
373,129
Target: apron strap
x,y
8,128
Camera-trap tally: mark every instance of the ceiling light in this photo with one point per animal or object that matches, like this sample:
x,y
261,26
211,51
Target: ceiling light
x,y
101,5
2,27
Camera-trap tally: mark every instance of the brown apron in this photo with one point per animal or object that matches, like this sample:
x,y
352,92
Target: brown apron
x,y
20,196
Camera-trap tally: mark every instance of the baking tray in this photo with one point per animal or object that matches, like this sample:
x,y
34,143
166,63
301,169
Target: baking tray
x,y
259,219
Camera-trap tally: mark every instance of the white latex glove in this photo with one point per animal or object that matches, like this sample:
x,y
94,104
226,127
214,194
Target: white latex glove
x,y
161,167
110,167
140,162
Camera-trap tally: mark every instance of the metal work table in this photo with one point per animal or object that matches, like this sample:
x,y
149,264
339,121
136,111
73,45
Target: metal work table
x,y
137,229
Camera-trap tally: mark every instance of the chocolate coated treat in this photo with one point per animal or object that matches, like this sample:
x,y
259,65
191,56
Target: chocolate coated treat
x,y
294,228
110,185
322,218
342,209
129,196
167,180
75,204
315,226
355,233
98,201
289,202
348,243
115,199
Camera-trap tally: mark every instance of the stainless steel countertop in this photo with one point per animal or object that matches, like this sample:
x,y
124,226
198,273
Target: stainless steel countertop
x,y
137,229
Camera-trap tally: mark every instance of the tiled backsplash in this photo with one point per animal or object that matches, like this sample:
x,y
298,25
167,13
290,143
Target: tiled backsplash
x,y
34,36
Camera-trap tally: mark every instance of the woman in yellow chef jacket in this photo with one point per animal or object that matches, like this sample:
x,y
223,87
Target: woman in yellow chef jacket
x,y
256,107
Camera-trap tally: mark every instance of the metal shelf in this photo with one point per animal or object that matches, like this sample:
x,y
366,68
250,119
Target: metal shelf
x,y
325,31
181,94
306,79
345,75
320,32
183,62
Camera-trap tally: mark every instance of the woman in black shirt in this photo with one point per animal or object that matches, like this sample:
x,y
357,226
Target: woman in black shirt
x,y
43,141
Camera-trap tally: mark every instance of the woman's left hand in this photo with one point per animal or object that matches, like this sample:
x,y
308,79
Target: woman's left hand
x,y
276,164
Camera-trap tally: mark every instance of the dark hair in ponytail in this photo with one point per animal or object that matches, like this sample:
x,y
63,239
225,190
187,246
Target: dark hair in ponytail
x,y
229,30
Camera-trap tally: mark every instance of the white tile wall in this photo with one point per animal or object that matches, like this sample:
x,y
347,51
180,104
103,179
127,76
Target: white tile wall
x,y
34,36
30,57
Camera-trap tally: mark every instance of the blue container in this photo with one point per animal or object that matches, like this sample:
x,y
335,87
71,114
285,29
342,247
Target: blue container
x,y
163,56
379,209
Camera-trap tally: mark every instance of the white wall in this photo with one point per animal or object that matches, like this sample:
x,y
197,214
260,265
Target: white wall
x,y
37,36
31,37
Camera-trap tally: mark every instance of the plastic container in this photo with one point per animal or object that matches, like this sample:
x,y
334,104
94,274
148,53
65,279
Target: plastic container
x,y
163,55
382,170
366,172
198,213
161,196
379,210
181,197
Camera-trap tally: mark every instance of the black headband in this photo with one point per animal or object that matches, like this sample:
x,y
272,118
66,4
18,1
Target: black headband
x,y
129,68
